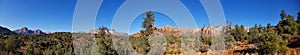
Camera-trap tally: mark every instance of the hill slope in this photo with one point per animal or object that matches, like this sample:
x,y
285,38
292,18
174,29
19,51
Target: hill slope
x,y
5,31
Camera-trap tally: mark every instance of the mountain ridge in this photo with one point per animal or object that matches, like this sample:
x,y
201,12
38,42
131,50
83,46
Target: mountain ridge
x,y
5,31
25,30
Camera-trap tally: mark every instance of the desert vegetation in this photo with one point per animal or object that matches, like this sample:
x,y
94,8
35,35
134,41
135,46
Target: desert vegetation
x,y
282,38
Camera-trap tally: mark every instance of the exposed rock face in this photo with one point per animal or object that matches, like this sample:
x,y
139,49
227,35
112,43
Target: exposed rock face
x,y
176,32
96,31
246,28
25,30
38,31
136,34
169,31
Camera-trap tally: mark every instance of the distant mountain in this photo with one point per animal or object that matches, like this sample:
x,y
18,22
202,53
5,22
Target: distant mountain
x,y
106,31
5,31
25,30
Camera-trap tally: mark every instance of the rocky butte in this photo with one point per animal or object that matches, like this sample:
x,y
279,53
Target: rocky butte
x,y
25,30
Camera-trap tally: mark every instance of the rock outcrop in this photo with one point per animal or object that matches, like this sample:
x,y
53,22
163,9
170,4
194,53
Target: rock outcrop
x,y
176,32
25,30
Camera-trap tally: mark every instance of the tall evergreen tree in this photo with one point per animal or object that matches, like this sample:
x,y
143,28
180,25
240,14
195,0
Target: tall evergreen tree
x,y
148,23
260,28
282,22
254,33
283,15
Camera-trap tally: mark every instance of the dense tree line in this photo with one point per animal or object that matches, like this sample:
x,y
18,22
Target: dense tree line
x,y
59,43
48,44
269,39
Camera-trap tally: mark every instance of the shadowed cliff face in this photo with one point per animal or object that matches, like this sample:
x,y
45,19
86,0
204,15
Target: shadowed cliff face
x,y
5,31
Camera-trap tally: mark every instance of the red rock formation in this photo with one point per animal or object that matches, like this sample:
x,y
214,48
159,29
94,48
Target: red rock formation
x,y
173,31
136,35
25,30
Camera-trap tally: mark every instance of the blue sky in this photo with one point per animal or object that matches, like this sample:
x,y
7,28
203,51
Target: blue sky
x,y
56,15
